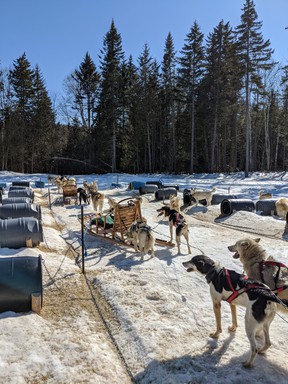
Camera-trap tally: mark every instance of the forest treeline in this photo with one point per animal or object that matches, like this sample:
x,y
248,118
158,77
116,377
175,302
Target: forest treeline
x,y
217,105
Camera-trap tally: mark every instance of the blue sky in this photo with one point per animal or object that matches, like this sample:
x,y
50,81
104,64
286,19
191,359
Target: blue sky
x,y
56,34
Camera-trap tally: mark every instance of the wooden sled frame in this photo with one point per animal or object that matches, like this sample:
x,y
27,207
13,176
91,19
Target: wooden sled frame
x,y
125,213
70,191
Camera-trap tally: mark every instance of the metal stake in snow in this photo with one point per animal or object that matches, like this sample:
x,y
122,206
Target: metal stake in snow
x,y
82,238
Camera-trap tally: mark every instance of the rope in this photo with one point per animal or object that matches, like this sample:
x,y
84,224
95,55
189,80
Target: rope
x,y
181,242
281,317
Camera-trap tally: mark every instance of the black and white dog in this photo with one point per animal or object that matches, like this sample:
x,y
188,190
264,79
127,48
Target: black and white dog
x,y
176,220
83,195
237,289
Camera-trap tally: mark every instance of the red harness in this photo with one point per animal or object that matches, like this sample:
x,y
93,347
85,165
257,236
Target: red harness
x,y
239,292
273,264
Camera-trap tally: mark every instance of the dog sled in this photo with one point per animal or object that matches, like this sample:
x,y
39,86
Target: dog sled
x,y
70,193
115,225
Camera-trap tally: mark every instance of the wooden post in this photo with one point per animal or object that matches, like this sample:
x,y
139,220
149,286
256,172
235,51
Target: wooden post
x,y
82,238
49,197
36,300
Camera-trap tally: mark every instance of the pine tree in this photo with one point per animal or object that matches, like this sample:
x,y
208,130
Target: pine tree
x,y
129,139
22,78
169,97
86,89
148,99
221,72
191,69
255,54
110,96
43,135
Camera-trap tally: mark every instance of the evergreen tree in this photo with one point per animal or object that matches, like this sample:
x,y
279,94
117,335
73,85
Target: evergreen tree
x,y
148,99
169,98
191,69
86,88
22,78
221,71
129,139
255,54
44,136
110,96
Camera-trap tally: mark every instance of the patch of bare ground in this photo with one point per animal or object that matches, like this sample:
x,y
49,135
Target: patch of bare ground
x,y
67,296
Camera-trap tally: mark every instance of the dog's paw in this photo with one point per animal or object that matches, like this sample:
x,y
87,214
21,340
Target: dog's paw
x,y
232,328
247,364
215,335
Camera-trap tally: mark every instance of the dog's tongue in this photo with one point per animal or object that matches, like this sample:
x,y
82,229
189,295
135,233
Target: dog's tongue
x,y
236,255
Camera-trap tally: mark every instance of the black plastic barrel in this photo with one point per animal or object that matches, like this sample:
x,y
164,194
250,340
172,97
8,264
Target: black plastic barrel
x,y
39,184
16,187
21,193
20,282
228,206
165,193
158,183
20,232
171,186
266,207
135,184
21,183
11,211
217,198
148,188
17,200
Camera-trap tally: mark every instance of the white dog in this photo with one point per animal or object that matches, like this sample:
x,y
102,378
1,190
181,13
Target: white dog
x,y
202,195
175,202
282,206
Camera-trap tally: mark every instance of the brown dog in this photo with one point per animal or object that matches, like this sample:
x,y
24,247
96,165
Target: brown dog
x,y
259,266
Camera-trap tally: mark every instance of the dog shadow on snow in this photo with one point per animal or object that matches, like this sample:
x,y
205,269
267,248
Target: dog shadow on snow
x,y
207,367
127,260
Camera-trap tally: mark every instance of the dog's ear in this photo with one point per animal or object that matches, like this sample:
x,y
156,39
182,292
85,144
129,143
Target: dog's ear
x,y
257,240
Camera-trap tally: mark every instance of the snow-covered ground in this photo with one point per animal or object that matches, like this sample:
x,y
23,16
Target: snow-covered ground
x,y
145,321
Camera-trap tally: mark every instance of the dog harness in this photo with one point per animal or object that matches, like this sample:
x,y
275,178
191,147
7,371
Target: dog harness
x,y
272,263
178,221
238,292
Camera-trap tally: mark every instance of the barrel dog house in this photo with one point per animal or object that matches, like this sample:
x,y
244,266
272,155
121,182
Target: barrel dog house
x,y
266,207
228,206
148,188
20,210
21,183
16,200
20,232
21,193
16,187
21,288
217,198
165,193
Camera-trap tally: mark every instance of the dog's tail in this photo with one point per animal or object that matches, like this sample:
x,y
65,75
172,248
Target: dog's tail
x,y
272,297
